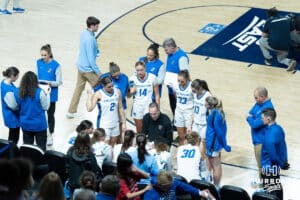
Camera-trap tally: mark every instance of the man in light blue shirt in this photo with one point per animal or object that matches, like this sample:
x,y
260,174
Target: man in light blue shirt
x,y
88,70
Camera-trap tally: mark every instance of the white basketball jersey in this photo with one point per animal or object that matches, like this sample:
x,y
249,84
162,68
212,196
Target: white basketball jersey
x,y
188,162
109,109
144,89
184,97
199,108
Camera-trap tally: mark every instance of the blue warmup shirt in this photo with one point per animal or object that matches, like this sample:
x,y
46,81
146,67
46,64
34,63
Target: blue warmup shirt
x,y
46,71
274,150
256,123
102,196
88,51
171,195
149,165
10,117
173,61
220,129
32,115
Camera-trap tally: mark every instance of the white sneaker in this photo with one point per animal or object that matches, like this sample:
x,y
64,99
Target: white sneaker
x,y
71,115
49,140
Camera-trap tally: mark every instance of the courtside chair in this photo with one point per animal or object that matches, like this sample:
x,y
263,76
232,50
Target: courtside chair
x,y
8,149
202,185
229,192
57,162
36,155
263,196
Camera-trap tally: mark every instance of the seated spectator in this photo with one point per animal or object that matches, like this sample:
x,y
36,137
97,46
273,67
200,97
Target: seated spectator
x,y
50,188
85,194
109,188
129,175
189,155
79,158
295,35
161,154
102,150
165,187
142,159
87,181
15,179
127,146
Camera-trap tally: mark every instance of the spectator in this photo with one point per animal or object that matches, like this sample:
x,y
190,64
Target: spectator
x,y
276,37
109,188
102,150
49,72
129,175
88,71
50,188
142,85
215,138
177,61
142,159
273,154
32,102
165,187
79,158
10,117
189,155
85,194
88,181
156,124
262,101
128,145
155,66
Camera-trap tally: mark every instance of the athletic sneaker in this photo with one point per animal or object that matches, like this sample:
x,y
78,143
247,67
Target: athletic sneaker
x,y
18,10
292,66
49,140
5,12
268,61
71,115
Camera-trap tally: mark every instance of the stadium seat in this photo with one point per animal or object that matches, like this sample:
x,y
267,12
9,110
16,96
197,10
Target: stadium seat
x,y
263,196
202,185
57,162
109,168
8,149
234,193
36,155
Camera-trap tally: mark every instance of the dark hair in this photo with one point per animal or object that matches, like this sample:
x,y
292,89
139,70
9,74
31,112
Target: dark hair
x,y
272,12
88,180
128,140
85,194
98,133
110,185
124,162
92,21
85,124
185,74
25,172
113,68
11,71
82,143
197,84
141,141
270,112
153,47
8,178
48,49
51,187
154,105
28,85
140,63
104,79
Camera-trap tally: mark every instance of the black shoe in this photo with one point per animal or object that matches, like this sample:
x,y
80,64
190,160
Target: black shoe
x,y
268,61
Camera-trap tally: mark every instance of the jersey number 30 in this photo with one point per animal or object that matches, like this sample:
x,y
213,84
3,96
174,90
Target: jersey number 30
x,y
188,153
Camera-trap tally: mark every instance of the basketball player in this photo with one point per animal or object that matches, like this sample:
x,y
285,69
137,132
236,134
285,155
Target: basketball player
x,y
142,86
109,100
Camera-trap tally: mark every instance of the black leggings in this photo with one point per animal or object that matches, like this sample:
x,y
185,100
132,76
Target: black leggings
x,y
14,134
51,119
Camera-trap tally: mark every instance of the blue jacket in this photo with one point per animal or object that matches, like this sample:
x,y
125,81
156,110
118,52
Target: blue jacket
x,y
274,150
47,71
153,66
102,196
256,123
173,61
88,51
32,115
10,117
171,195
148,166
218,127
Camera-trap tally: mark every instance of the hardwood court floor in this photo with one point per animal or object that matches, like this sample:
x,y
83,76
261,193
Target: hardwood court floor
x,y
60,23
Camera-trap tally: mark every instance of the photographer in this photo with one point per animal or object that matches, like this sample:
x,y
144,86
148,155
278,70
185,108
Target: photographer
x,y
273,154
